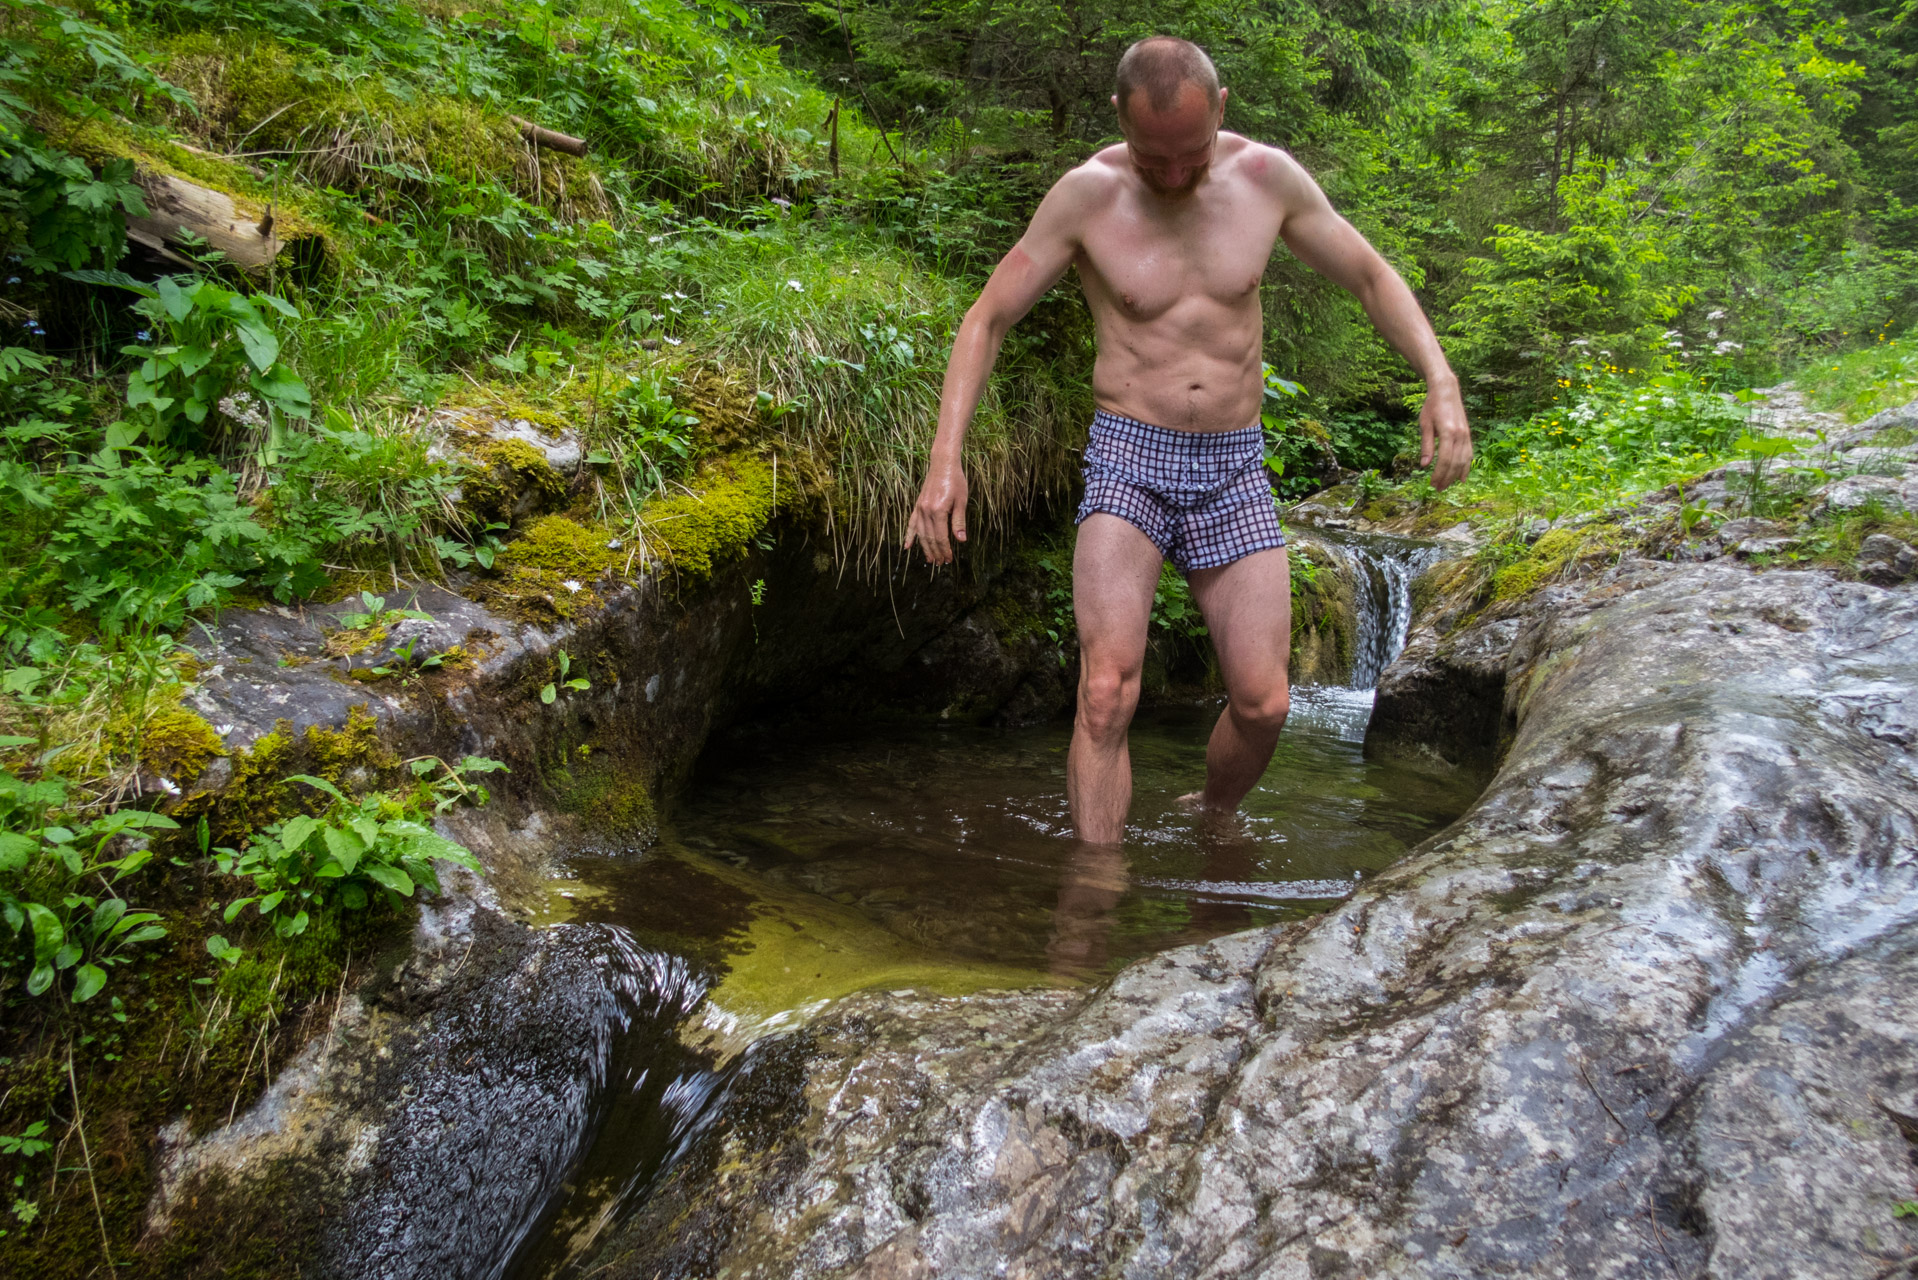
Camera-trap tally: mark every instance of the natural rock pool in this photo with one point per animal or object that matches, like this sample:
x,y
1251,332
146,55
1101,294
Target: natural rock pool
x,y
930,855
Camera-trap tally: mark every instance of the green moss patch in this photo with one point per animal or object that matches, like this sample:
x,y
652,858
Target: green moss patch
x,y
610,797
551,570
696,533
178,744
1553,554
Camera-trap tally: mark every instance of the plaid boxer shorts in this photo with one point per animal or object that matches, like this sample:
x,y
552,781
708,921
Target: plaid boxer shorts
x,y
1201,496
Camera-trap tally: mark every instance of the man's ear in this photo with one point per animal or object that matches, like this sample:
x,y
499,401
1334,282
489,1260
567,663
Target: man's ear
x,y
1222,93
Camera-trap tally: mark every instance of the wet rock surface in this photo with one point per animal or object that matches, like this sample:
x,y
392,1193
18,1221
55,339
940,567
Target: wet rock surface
x,y
1645,1010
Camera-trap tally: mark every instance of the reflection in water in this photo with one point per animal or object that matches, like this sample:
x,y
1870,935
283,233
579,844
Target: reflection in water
x,y
955,839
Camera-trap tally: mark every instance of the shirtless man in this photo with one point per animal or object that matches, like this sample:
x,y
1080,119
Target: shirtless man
x,y
1170,231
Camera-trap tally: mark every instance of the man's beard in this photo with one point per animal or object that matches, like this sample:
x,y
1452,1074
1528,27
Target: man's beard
x,y
1184,188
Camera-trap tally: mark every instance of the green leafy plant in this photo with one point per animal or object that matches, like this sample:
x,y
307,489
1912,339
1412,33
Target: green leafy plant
x,y
550,691
216,343
352,852
656,439
42,865
374,613
1759,453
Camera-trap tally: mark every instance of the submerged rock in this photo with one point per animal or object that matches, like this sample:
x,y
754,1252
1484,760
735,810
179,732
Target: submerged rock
x,y
1646,1009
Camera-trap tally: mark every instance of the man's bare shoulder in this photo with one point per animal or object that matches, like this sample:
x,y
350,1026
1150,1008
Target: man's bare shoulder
x,y
1102,176
1270,168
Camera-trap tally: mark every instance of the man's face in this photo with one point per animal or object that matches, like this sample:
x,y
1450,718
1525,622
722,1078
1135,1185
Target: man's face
x,y
1171,150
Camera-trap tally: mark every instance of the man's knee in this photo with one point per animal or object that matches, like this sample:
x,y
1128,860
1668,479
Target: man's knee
x,y
1262,710
1108,695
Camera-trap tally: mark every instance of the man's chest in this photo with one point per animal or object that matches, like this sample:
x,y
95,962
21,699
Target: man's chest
x,y
1213,249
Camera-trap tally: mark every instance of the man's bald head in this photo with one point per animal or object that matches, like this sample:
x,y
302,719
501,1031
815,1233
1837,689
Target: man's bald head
x,y
1160,67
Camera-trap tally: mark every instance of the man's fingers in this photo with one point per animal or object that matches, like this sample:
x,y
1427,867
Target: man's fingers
x,y
959,525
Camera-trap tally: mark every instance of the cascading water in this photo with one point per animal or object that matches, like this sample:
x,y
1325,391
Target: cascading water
x,y
1382,569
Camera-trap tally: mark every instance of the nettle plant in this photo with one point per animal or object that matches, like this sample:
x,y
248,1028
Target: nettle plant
x,y
353,852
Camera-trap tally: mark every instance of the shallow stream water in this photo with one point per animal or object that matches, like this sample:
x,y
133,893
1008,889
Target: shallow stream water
x,y
956,839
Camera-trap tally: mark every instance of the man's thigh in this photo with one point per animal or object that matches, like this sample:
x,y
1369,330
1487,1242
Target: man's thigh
x,y
1115,569
1248,611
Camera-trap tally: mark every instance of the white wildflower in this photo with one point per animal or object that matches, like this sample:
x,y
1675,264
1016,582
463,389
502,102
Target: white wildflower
x,y
670,341
795,286
570,585
1719,314
1727,347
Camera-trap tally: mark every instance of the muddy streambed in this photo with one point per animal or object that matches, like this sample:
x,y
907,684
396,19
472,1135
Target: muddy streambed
x,y
800,868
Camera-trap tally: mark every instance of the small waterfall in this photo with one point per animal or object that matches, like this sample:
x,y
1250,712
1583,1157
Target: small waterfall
x,y
1383,569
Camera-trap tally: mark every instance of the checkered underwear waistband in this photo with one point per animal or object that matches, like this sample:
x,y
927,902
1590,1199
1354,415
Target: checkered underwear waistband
x,y
1167,459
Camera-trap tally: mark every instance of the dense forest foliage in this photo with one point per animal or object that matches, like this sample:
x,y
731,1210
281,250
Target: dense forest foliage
x,y
1623,217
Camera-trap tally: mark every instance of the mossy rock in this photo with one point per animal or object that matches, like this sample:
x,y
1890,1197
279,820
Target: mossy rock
x,y
609,796
698,532
255,792
506,479
553,569
1553,554
178,744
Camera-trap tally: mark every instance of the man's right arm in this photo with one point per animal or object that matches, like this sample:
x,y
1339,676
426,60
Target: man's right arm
x,y
1022,277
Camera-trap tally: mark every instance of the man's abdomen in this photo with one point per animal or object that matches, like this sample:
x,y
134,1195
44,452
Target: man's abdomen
x,y
1199,375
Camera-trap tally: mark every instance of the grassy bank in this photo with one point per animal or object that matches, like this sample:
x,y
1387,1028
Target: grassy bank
x,y
732,301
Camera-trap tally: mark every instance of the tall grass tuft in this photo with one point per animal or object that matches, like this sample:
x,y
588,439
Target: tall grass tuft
x,y
855,338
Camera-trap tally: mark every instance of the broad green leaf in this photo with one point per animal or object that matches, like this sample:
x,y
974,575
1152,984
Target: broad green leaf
x,y
87,981
283,389
346,848
107,913
48,932
271,901
297,831
262,348
176,301
40,979
391,877
320,783
234,908
16,851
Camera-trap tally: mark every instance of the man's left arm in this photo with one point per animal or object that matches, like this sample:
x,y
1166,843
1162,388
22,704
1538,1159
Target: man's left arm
x,y
1327,243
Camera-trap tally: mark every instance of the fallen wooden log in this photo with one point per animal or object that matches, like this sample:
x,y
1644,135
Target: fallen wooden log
x,y
249,239
549,138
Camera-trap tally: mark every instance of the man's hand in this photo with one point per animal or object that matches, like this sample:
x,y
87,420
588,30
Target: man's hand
x,y
941,506
1443,420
